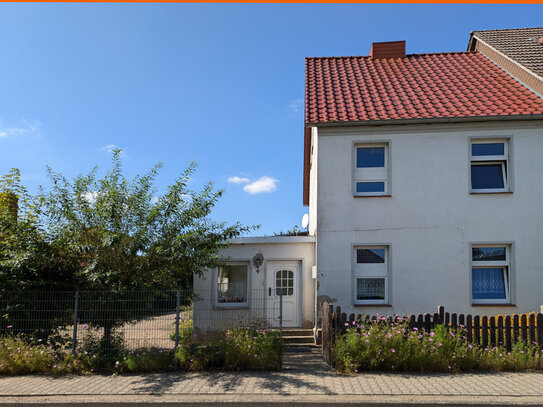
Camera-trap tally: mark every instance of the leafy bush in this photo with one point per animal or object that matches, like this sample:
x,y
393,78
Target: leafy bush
x,y
147,360
253,349
240,349
103,355
380,346
18,357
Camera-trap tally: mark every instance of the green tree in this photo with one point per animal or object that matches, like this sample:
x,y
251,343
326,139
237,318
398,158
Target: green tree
x,y
115,234
28,259
127,237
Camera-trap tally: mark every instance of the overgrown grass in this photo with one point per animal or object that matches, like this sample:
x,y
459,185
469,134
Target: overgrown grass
x,y
383,347
19,357
238,349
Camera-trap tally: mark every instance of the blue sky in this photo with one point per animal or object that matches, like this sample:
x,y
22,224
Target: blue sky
x,y
221,84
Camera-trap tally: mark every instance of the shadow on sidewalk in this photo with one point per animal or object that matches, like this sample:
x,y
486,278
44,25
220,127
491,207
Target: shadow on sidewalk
x,y
301,371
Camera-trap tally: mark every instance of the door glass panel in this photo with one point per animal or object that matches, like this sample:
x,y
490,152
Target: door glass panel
x,y
284,282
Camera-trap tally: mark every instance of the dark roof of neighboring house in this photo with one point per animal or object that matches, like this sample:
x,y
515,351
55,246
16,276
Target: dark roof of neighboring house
x,y
419,86
524,45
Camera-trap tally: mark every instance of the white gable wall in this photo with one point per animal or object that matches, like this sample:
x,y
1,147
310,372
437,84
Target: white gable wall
x,y
430,219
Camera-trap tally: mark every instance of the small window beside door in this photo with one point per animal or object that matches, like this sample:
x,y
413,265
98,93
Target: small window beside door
x,y
232,285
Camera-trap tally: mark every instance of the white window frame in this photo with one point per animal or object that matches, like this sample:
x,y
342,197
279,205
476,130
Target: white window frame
x,y
371,174
505,265
245,304
370,270
483,160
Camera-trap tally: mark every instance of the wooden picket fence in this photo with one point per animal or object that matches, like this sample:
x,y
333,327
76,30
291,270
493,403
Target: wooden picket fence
x,y
482,331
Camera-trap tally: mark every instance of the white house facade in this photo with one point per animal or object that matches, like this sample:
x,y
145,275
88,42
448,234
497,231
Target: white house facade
x,y
452,226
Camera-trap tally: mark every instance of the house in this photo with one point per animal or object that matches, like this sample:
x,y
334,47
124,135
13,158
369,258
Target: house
x,y
518,51
422,179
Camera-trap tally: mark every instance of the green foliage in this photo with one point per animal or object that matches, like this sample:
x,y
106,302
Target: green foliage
x,y
18,357
382,347
108,234
105,351
147,360
29,260
128,238
239,349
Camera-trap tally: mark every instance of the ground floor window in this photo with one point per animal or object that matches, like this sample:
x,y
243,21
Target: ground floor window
x,y
490,274
370,275
232,284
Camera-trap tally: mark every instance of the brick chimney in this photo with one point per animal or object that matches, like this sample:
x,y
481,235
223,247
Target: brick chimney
x,y
390,49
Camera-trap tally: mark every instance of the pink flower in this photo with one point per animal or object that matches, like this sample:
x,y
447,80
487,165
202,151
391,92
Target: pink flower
x,y
9,326
432,334
393,350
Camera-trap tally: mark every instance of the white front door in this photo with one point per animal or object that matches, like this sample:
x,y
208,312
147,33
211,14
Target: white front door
x,y
284,278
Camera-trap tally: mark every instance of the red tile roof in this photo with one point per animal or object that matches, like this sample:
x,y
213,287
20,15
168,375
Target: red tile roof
x,y
421,86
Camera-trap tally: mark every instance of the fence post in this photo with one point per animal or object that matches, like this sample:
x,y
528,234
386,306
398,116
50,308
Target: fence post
x,y
177,312
281,314
76,312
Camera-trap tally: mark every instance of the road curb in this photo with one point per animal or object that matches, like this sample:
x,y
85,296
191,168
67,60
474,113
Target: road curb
x,y
270,401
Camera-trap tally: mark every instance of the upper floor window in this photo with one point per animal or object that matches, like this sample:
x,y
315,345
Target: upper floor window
x,y
371,172
489,165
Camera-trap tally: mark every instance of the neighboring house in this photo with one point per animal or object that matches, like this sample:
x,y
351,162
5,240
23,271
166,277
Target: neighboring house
x,y
422,177
518,51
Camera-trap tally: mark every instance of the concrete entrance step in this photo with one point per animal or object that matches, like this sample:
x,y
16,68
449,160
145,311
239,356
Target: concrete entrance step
x,y
297,332
298,339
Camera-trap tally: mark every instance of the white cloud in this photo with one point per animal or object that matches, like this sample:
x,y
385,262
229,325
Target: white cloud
x,y
154,200
26,127
262,185
296,106
110,147
238,180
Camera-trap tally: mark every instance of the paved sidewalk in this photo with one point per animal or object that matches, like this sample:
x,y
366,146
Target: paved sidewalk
x,y
305,379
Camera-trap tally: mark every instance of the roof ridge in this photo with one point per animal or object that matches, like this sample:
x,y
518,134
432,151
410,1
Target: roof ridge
x,y
507,29
407,55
